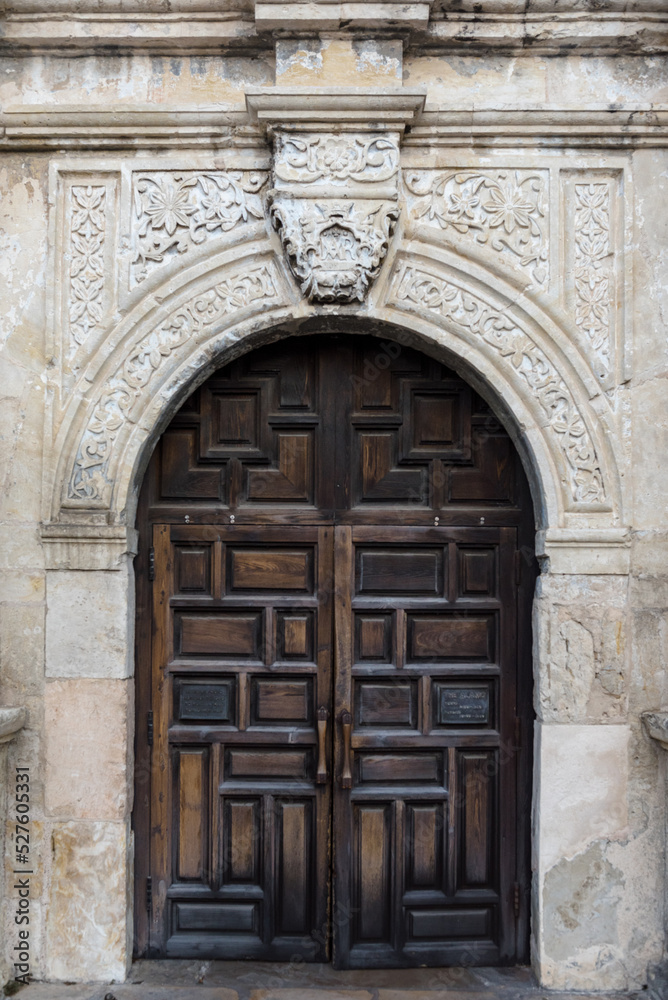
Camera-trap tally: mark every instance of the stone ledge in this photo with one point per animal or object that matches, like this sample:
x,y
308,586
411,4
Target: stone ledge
x,y
338,108
587,552
204,27
75,127
331,15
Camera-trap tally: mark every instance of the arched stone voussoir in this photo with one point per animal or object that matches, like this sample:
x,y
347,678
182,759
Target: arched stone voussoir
x,y
525,366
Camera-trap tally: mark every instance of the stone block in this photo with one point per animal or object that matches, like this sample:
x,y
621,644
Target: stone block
x,y
87,726
581,933
21,586
89,875
89,624
21,654
582,796
310,994
341,62
20,546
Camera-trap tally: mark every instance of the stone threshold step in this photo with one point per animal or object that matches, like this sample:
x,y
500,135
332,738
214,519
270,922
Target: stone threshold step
x,y
144,991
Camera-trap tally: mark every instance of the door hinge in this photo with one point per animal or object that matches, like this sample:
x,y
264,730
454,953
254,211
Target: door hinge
x,y
518,567
151,563
516,899
149,894
149,728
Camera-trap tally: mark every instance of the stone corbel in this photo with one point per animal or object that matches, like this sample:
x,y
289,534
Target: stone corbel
x,y
656,726
12,721
335,195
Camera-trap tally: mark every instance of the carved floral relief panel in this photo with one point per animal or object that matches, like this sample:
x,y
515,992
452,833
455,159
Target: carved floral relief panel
x,y
174,211
501,212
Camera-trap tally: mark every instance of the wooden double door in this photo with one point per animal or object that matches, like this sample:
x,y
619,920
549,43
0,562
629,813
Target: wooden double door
x,y
333,684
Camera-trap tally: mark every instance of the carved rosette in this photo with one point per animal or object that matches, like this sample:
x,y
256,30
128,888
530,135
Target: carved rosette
x,y
334,206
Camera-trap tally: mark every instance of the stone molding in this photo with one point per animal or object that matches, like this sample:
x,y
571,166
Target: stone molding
x,y
335,108
333,15
203,26
87,546
592,552
75,127
128,392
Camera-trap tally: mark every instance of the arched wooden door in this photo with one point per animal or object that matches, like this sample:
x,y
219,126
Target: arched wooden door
x,y
333,667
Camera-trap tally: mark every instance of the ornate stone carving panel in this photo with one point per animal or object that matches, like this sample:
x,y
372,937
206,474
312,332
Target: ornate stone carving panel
x,y
176,210
592,278
85,262
334,207
501,212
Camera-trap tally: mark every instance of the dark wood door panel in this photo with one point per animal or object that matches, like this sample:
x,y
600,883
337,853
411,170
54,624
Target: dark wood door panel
x,y
409,438
418,824
239,860
338,686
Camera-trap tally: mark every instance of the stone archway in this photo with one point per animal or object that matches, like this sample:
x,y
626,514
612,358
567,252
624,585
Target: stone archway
x,y
513,353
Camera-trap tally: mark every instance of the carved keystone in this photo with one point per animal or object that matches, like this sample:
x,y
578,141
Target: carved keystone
x,y
335,198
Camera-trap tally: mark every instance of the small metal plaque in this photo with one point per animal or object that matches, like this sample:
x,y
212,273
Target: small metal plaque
x,y
464,705
205,701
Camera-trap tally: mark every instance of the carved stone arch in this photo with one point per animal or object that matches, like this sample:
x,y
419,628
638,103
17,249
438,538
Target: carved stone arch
x,y
203,318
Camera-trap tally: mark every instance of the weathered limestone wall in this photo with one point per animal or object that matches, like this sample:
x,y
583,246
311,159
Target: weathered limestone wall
x,y
557,211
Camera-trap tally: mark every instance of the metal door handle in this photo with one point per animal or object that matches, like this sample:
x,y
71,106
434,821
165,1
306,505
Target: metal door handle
x,y
346,726
321,774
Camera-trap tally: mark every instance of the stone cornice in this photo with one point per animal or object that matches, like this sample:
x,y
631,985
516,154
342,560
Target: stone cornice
x,y
147,127
205,26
